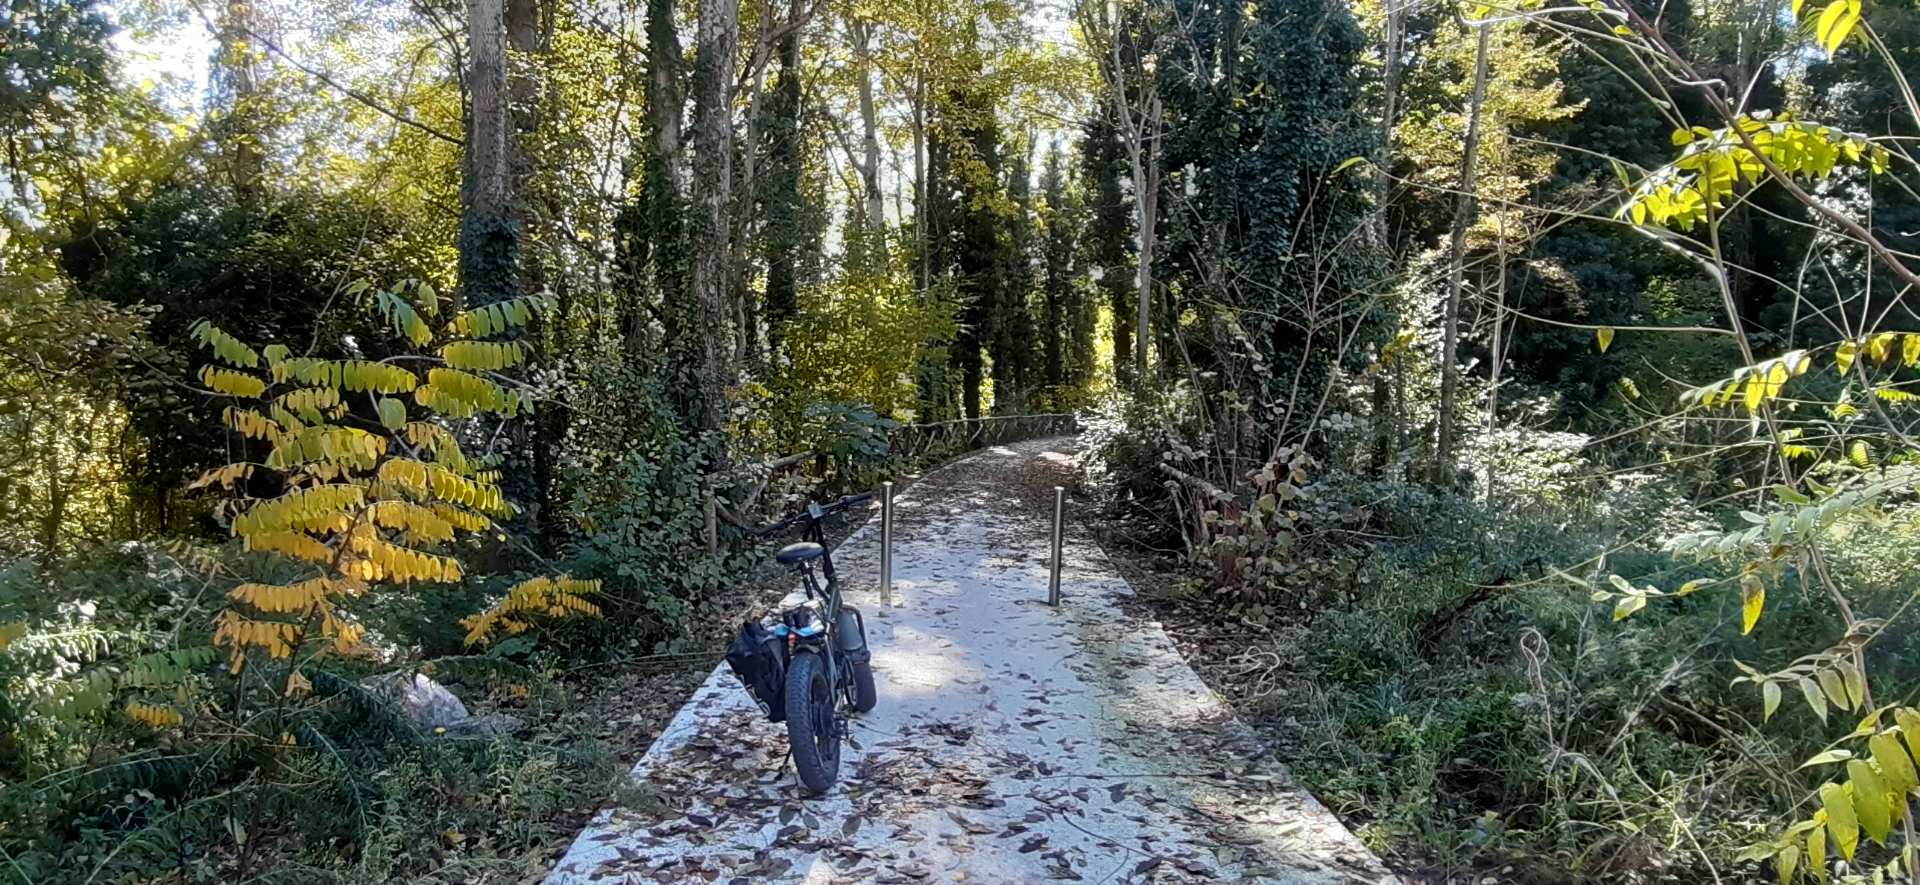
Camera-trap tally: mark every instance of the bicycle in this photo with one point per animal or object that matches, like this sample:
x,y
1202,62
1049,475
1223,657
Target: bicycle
x,y
803,666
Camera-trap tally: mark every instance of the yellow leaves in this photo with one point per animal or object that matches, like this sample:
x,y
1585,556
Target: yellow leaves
x,y
360,507
464,520
224,476
225,347
296,598
461,394
556,597
404,474
1755,385
1860,454
440,442
1844,354
472,493
289,543
232,382
328,444
1603,337
251,424
484,355
359,376
1714,164
1753,599
317,509
154,715
420,524
382,560
239,633
1837,22
313,404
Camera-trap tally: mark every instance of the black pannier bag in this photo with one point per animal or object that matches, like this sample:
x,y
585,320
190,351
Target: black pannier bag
x,y
759,658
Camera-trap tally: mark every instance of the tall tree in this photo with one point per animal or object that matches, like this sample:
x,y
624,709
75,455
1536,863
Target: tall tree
x,y
1127,42
1014,331
1457,249
963,225
710,285
238,74
783,225
490,224
1108,244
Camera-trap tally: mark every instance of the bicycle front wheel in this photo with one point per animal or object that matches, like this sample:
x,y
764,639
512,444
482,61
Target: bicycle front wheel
x,y
812,727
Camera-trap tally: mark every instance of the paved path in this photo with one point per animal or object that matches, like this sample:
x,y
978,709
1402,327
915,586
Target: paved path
x,y
1013,742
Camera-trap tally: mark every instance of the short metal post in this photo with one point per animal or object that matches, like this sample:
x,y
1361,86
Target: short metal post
x,y
1059,523
886,544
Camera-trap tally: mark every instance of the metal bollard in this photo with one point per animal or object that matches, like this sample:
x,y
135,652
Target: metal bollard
x,y
886,544
1059,524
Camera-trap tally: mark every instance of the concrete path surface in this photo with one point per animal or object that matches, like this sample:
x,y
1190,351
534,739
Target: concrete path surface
x,y
1013,742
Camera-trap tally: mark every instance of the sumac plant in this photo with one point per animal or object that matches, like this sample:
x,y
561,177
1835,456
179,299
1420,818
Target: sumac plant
x,y
1842,458
367,485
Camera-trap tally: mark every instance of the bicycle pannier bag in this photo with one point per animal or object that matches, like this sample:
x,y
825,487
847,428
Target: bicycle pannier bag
x,y
759,659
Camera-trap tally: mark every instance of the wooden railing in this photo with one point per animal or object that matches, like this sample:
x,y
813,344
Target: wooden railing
x,y
915,441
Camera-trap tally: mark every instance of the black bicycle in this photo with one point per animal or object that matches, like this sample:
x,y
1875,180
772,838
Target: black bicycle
x,y
802,663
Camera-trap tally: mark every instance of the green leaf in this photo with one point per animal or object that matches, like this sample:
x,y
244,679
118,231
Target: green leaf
x,y
1870,800
1909,720
1627,605
1841,823
1817,852
1603,336
1770,699
1836,689
1815,699
1856,686
1790,495
1895,767
1828,757
1787,862
393,413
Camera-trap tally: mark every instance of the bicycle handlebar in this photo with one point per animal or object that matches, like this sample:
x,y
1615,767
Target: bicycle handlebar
x,y
824,510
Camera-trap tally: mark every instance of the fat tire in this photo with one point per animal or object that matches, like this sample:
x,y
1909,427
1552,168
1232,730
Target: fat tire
x,y
816,757
864,694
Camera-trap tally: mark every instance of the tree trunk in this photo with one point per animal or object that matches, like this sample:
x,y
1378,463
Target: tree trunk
x,y
861,35
782,211
489,228
238,71
711,286
1389,115
1462,217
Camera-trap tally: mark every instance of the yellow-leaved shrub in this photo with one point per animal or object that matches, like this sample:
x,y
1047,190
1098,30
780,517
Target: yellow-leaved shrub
x,y
356,475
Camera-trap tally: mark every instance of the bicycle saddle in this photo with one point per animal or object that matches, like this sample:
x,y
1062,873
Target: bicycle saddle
x,y
804,551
